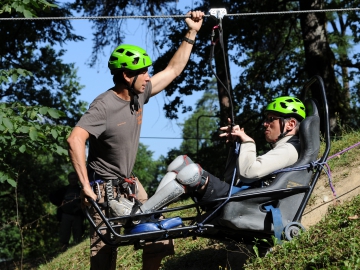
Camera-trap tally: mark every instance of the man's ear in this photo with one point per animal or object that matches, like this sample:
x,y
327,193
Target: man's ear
x,y
291,124
128,75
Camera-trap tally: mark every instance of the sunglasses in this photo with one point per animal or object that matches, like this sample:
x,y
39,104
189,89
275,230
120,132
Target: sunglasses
x,y
270,119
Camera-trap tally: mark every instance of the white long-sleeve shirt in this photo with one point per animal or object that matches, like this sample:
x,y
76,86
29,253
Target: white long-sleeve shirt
x,y
251,167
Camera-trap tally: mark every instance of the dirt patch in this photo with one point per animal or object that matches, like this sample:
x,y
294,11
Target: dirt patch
x,y
346,183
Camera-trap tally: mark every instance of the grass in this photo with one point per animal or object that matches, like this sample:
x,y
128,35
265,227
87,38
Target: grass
x,y
340,143
333,243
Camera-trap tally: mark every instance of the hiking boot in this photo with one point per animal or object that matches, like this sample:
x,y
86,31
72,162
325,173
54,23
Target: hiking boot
x,y
120,208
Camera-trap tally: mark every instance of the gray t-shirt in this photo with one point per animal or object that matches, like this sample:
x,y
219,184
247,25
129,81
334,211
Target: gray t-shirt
x,y
114,128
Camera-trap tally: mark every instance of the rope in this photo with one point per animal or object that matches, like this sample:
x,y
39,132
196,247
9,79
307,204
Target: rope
x,y
343,151
316,163
181,16
333,200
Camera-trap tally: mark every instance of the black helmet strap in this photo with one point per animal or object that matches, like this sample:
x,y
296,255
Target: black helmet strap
x,y
282,132
135,100
282,126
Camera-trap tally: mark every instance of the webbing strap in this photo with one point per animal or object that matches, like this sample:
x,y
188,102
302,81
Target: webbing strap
x,y
201,224
109,191
277,220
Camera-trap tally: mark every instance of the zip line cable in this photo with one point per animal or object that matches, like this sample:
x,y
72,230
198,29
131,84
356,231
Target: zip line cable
x,y
180,16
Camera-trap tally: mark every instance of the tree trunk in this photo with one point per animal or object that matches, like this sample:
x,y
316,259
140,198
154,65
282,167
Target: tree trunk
x,y
320,59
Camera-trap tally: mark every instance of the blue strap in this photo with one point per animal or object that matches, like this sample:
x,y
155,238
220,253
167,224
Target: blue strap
x,y
236,189
277,221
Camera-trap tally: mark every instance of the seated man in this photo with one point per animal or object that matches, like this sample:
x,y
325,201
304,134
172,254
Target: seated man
x,y
282,119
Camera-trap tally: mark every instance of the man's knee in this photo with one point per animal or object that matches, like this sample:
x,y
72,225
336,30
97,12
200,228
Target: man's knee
x,y
192,175
179,163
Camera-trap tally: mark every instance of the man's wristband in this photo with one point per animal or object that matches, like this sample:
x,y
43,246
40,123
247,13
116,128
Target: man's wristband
x,y
191,41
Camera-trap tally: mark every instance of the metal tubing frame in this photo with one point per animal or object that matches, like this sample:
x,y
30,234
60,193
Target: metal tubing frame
x,y
327,142
180,232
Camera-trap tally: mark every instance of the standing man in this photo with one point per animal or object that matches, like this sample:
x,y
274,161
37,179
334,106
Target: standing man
x,y
112,125
69,212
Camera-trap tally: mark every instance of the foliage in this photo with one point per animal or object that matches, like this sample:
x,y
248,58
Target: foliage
x,y
148,171
347,141
315,249
201,124
33,151
27,8
33,159
29,225
26,129
106,32
272,55
31,70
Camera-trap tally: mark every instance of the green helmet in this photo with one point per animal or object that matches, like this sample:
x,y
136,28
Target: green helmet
x,y
128,57
287,106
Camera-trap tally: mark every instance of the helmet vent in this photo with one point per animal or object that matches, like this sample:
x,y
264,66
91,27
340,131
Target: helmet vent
x,y
129,54
136,60
121,50
113,58
283,105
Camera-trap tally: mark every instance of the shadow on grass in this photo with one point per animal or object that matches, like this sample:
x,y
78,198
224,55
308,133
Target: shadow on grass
x,y
228,256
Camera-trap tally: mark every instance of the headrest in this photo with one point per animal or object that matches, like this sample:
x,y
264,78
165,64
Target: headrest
x,y
311,108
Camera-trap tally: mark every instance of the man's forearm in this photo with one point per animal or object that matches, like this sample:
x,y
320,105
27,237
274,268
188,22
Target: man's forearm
x,y
78,158
182,55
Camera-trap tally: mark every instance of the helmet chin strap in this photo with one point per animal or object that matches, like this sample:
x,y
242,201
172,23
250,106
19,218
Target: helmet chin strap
x,y
135,96
282,134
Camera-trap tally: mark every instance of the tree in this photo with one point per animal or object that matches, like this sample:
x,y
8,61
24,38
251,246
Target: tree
x,y
33,160
44,78
343,39
276,54
320,59
202,125
148,171
26,8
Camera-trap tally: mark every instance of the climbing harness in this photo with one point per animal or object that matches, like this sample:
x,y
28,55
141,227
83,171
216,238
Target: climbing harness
x,y
124,186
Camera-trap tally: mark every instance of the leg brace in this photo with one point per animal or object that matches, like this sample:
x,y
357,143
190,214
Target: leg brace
x,y
188,176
